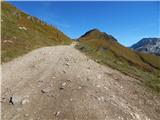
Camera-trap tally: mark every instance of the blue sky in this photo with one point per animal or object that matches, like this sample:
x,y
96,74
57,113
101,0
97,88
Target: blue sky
x,y
126,21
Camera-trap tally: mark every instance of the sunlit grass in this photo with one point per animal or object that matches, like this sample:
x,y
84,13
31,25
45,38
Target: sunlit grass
x,y
20,41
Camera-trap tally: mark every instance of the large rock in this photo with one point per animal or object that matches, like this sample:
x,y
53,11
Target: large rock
x,y
15,99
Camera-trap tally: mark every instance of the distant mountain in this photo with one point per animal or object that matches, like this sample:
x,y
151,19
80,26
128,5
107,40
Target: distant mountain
x,y
97,34
21,33
148,45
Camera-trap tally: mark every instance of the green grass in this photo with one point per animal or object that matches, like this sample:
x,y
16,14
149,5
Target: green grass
x,y
38,33
108,52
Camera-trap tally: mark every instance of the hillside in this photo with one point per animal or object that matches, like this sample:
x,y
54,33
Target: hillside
x,y
105,49
148,45
21,33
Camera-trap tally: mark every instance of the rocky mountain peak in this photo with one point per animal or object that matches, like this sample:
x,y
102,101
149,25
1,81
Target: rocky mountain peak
x,y
148,45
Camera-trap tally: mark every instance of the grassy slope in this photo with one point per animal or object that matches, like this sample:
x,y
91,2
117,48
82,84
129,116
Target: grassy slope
x,y
107,51
16,42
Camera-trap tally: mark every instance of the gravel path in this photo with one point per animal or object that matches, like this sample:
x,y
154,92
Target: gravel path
x,y
61,83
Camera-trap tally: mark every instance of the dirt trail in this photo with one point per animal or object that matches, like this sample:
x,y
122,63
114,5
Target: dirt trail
x,y
61,83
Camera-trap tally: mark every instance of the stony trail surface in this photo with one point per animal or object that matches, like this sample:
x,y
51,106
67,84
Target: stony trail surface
x,y
61,83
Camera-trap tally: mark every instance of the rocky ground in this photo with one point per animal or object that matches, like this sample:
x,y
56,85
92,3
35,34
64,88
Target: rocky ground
x,y
61,83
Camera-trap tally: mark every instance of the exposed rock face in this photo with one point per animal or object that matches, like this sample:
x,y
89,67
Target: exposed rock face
x,y
148,45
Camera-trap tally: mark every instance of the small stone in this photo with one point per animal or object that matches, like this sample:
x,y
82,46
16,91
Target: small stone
x,y
63,84
116,78
105,88
25,101
7,41
14,37
26,115
51,85
64,71
61,88
40,81
28,17
57,113
88,79
68,80
102,98
45,90
99,98
88,70
99,76
137,116
98,86
24,28
53,77
67,64
20,28
79,87
113,96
